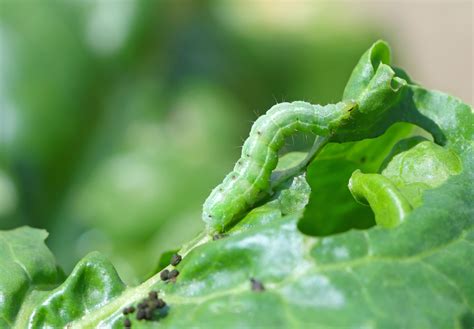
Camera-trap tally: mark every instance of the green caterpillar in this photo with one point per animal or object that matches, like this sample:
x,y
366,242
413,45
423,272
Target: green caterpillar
x,y
251,175
372,92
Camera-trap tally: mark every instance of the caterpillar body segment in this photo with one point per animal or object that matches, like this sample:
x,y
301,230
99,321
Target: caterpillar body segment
x,y
250,179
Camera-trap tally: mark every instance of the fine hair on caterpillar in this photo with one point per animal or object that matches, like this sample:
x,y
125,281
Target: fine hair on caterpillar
x,y
249,181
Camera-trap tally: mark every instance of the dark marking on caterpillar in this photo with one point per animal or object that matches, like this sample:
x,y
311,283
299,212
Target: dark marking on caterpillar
x,y
249,181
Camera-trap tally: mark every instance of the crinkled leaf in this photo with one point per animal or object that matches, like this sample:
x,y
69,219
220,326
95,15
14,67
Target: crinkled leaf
x,y
416,275
355,279
92,284
331,171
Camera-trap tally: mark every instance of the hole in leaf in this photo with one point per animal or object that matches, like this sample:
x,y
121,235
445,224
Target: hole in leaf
x,y
331,208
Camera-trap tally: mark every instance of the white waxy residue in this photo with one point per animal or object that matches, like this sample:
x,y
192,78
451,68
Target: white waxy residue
x,y
108,25
341,253
314,291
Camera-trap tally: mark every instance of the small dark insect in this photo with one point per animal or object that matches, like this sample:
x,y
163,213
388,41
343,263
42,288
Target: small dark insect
x,y
160,303
128,310
127,323
141,314
164,275
153,303
156,303
256,285
175,259
173,274
218,236
149,314
143,304
153,295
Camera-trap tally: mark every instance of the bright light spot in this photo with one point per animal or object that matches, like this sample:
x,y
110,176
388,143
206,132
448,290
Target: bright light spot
x,y
132,176
341,253
314,291
108,25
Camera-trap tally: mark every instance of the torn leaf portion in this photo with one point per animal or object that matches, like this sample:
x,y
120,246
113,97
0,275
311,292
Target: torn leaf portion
x,y
401,185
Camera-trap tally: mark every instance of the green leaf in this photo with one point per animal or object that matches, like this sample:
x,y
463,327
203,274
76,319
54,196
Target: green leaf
x,y
93,283
415,275
355,279
400,187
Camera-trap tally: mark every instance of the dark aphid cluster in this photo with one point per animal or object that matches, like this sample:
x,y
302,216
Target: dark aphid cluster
x,y
167,275
128,310
256,285
145,309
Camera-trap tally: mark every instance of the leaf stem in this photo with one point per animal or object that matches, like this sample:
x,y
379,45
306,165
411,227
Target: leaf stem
x,y
281,176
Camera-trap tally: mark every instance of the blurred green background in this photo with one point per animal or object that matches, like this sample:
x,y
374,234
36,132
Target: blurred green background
x,y
119,117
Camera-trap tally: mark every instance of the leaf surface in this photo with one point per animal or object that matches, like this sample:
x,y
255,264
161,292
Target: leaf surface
x,y
416,275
